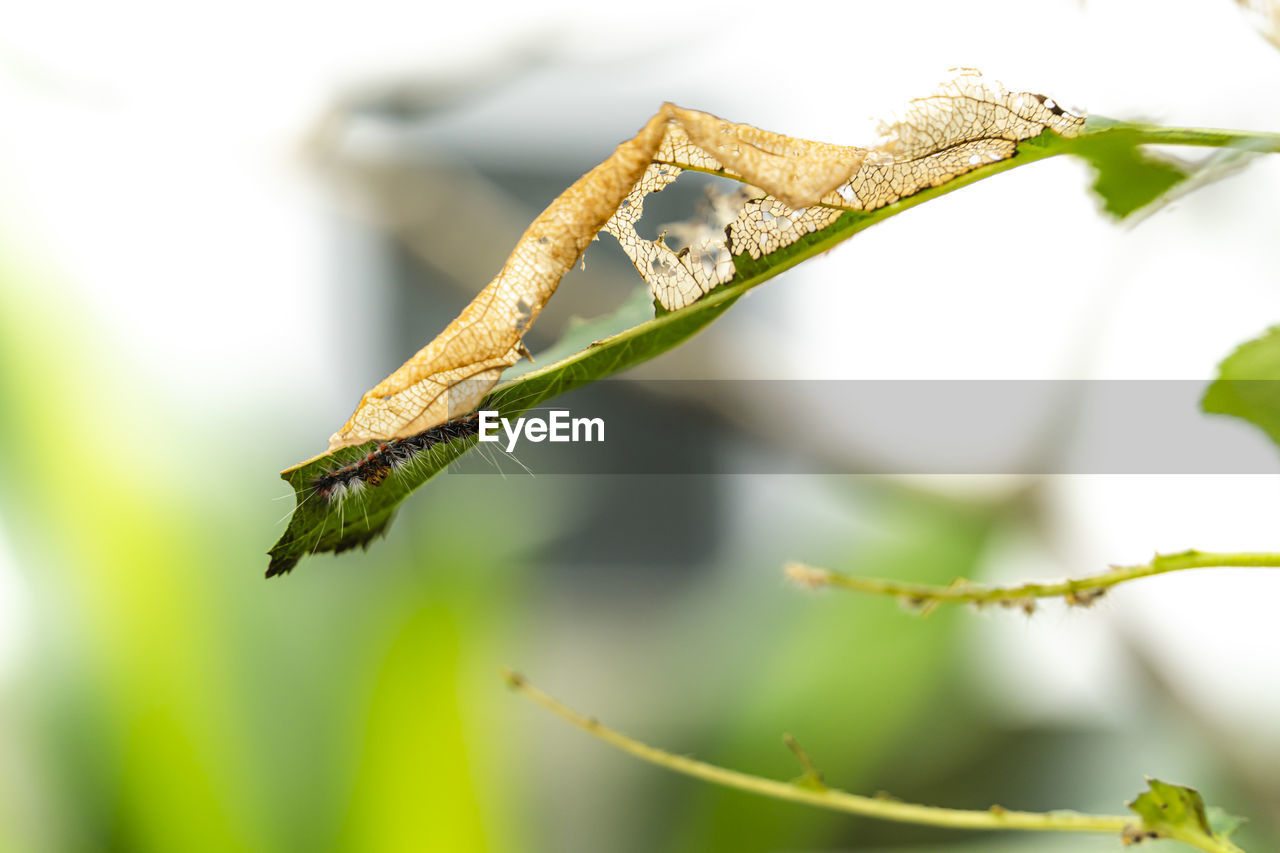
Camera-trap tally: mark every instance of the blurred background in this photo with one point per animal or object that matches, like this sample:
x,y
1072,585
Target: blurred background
x,y
221,223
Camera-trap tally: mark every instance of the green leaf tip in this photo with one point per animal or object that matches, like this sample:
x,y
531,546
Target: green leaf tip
x,y
1176,812
322,523
1126,178
1248,384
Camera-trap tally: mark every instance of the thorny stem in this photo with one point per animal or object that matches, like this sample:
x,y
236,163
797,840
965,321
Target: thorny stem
x,y
1079,592
881,808
875,807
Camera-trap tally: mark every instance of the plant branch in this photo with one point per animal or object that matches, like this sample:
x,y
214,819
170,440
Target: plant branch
x,y
1082,592
829,798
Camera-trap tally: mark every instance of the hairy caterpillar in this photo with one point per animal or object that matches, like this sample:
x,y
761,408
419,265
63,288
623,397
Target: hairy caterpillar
x,y
389,456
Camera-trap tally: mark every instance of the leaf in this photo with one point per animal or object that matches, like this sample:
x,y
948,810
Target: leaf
x,y
1127,179
1247,385
1177,812
317,527
967,122
1164,807
451,375
320,524
1133,182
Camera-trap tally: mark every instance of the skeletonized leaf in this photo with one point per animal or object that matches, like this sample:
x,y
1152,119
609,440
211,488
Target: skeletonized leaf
x,y
402,435
967,123
452,374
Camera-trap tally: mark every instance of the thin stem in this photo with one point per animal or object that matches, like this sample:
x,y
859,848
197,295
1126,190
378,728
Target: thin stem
x,y
1078,592
830,798
1208,137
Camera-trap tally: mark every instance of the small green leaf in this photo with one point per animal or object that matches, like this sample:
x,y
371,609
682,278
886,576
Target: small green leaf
x,y
1127,178
1177,812
1163,806
1247,385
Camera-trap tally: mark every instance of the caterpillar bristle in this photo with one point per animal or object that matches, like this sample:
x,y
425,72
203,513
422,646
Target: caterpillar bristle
x,y
382,461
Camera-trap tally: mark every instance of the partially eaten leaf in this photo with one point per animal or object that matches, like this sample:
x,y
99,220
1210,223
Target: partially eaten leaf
x,y
801,198
968,122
